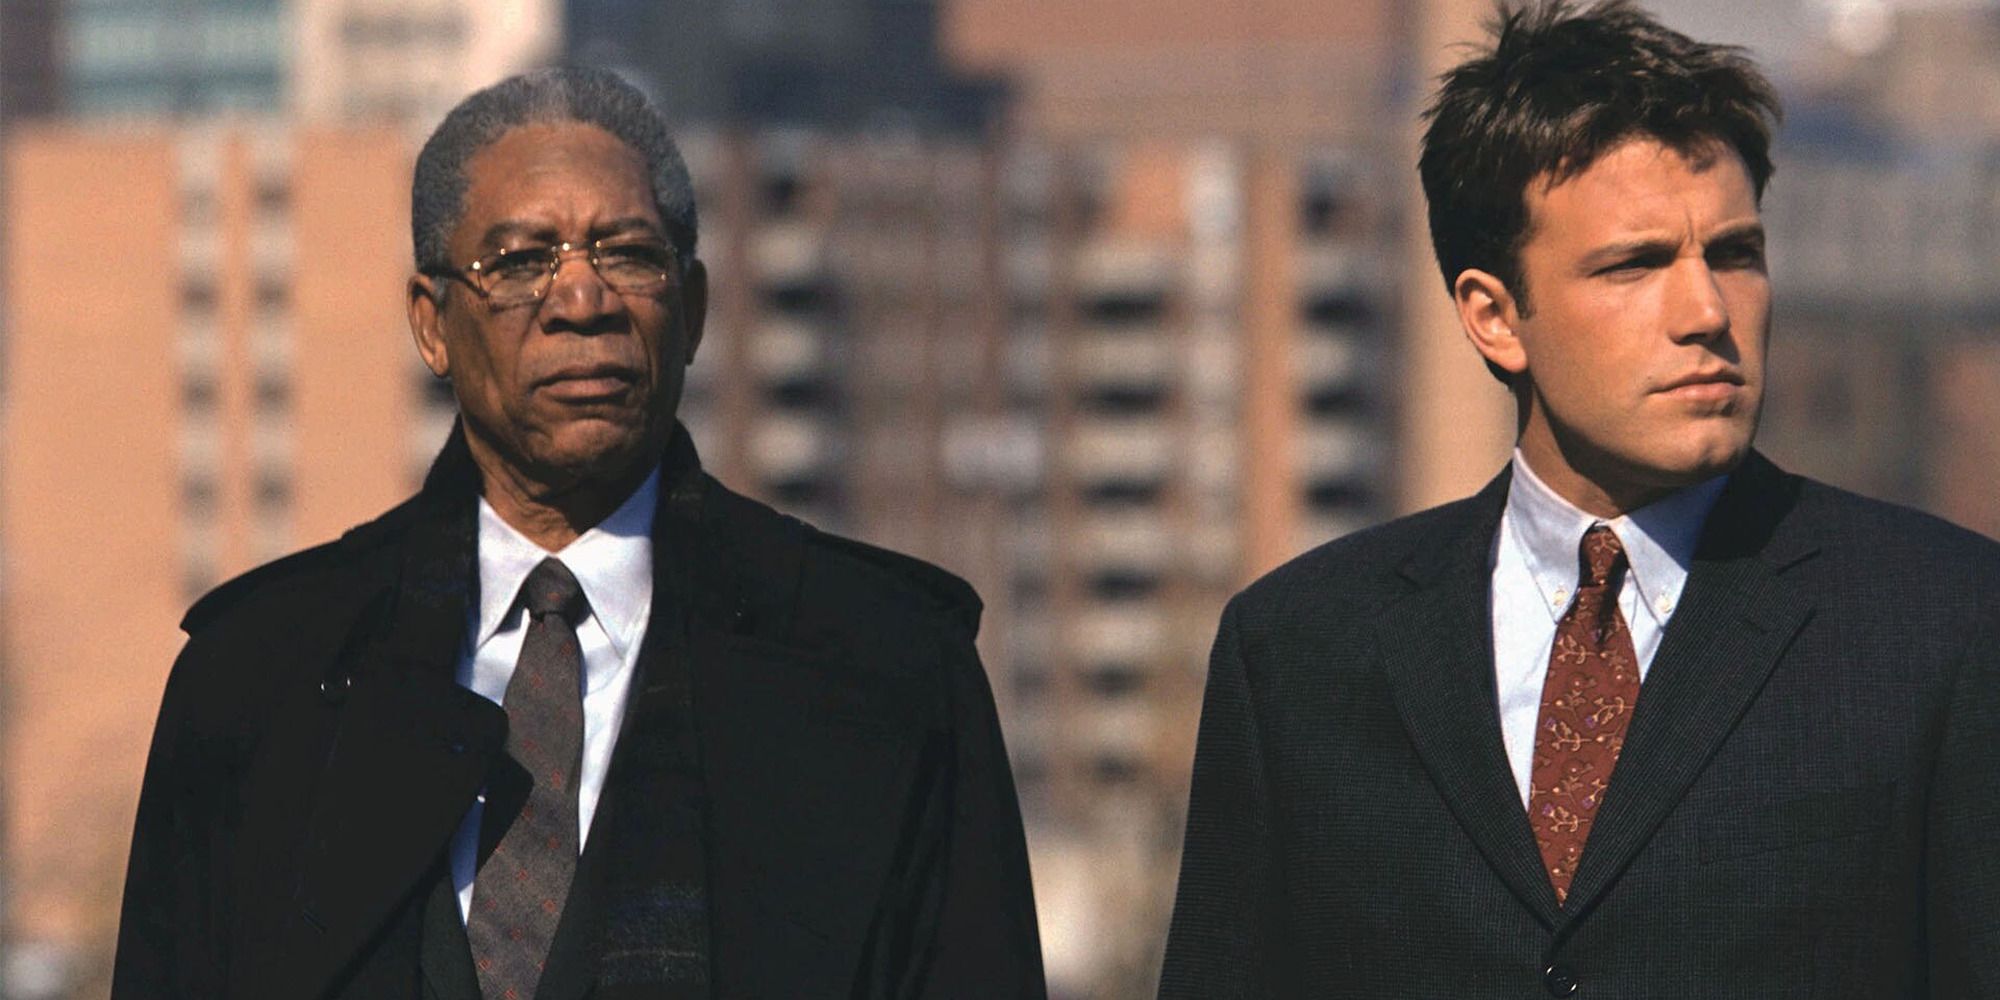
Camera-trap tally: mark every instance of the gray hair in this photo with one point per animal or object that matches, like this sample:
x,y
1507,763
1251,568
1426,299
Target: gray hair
x,y
544,96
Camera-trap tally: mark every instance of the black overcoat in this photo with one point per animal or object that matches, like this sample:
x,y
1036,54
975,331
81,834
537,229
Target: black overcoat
x,y
314,754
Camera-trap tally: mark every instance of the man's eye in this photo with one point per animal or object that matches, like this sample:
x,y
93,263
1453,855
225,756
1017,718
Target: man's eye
x,y
633,258
1737,257
518,265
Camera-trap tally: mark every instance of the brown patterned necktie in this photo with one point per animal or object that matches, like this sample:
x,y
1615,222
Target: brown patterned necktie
x,y
1587,699
518,895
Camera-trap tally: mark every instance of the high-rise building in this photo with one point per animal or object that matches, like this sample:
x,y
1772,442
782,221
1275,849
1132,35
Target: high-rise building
x,y
1212,326
839,64
365,61
1208,224
411,60
148,58
1885,263
208,366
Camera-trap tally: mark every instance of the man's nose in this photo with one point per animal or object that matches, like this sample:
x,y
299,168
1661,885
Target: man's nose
x,y
578,297
1697,309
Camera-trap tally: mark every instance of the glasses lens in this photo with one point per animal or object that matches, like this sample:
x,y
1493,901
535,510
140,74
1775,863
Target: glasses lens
x,y
634,267
512,277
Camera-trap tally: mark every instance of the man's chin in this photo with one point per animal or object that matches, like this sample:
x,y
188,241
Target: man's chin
x,y
596,452
1702,461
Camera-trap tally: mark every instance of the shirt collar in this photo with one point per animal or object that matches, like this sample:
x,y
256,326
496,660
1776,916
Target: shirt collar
x,y
612,562
1659,539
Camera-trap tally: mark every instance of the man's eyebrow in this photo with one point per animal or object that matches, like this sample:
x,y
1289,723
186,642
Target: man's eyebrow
x,y
1744,232
500,232
1750,231
1612,253
627,224
505,230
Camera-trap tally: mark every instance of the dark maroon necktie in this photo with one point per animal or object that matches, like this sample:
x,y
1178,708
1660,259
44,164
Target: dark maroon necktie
x,y
1587,699
518,895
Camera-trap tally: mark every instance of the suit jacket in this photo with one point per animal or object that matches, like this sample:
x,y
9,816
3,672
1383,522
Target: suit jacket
x,y
1807,804
314,754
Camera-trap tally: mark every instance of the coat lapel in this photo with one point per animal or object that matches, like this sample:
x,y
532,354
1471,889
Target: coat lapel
x,y
409,753
806,761
1437,651
1735,621
809,763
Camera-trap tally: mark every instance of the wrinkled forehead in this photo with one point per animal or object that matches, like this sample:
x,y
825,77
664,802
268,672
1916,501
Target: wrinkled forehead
x,y
569,178
1640,182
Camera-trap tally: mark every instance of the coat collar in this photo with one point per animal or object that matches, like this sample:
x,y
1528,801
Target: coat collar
x,y
816,755
1735,621
411,748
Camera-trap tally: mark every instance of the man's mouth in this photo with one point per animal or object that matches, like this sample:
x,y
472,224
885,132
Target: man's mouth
x,y
589,383
1717,384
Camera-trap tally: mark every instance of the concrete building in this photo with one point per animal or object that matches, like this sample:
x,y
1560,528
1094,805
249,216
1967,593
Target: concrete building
x,y
840,64
1886,278
142,58
208,367
1886,265
364,61
1214,325
1233,300
410,60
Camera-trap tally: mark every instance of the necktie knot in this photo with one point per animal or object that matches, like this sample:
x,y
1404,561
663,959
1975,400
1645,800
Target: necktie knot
x,y
1601,555
552,589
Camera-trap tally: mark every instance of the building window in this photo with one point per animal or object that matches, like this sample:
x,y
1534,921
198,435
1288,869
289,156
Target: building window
x,y
1115,681
1123,585
274,489
198,294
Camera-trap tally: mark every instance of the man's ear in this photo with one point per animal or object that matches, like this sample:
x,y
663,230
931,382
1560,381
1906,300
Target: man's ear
x,y
426,325
694,306
1490,316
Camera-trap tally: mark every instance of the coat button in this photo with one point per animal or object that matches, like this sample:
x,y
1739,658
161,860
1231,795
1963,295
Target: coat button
x,y
334,689
1559,981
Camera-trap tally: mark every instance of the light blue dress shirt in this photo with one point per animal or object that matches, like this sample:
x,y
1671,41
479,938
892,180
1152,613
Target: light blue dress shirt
x,y
613,562
1535,574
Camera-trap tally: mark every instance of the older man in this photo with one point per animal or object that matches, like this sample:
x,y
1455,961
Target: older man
x,y
1647,717
575,720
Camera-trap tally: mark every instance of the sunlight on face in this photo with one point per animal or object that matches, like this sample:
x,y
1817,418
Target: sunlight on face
x,y
1649,308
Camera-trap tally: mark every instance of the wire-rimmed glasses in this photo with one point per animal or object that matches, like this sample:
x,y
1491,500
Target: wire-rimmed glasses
x,y
509,278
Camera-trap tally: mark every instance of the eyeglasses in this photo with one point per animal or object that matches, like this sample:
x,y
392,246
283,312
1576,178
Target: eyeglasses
x,y
509,278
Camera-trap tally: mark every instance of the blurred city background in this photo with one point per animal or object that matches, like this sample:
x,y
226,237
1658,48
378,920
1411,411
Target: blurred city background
x,y
1106,305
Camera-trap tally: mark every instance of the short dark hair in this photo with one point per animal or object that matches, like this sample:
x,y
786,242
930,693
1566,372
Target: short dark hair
x,y
1559,88
567,94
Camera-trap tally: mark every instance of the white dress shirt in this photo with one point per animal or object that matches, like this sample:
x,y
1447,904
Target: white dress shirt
x,y
613,562
1535,574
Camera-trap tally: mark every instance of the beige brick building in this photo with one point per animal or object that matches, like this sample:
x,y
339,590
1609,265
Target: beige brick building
x,y
206,367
